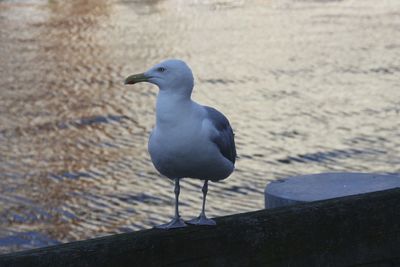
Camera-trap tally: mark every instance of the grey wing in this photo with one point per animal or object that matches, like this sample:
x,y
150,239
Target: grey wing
x,y
225,139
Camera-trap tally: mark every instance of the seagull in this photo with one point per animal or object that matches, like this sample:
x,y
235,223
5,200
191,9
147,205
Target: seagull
x,y
189,140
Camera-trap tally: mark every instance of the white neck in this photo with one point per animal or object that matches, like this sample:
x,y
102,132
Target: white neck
x,y
171,108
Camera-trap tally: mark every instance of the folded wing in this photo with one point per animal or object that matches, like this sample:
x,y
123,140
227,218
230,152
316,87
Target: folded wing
x,y
224,139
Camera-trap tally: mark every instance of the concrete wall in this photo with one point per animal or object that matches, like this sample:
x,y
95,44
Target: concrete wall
x,y
361,230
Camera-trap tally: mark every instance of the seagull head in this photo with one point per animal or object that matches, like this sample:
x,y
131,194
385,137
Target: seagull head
x,y
171,75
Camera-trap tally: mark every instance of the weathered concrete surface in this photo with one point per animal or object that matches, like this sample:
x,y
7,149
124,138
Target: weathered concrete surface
x,y
315,187
362,230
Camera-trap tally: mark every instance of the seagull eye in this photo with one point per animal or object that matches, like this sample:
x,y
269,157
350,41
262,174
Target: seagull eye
x,y
161,69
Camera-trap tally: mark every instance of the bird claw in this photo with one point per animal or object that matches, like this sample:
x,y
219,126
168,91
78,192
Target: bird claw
x,y
202,220
175,223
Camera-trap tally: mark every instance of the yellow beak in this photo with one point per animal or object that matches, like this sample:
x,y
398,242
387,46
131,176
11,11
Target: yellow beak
x,y
136,78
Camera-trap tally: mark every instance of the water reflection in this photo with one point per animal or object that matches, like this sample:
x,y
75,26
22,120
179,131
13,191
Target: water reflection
x,y
309,86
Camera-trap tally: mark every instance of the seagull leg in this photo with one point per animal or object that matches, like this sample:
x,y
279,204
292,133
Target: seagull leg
x,y
202,219
176,222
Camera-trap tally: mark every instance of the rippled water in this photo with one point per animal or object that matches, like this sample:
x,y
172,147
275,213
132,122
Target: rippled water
x,y
309,86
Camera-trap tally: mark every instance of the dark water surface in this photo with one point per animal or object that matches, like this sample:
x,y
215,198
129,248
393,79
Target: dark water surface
x,y
309,86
